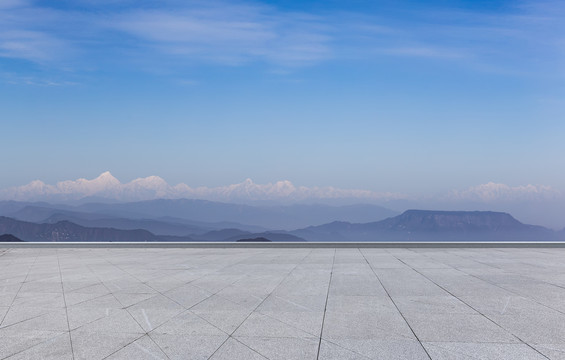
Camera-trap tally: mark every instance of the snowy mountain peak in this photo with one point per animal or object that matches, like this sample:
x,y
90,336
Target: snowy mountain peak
x,y
106,179
107,176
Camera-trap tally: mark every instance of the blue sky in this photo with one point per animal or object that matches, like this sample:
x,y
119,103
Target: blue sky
x,y
403,96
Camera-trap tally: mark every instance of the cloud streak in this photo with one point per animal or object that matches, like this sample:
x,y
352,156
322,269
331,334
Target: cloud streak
x,y
227,33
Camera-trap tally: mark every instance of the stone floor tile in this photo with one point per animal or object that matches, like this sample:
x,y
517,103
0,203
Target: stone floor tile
x,y
281,348
393,348
56,348
194,347
233,349
552,351
143,348
94,345
457,328
480,351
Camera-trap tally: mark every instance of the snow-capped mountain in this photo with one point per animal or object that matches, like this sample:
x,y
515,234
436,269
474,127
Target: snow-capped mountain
x,y
153,187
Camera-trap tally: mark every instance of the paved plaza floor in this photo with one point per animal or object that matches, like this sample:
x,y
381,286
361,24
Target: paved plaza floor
x,y
262,303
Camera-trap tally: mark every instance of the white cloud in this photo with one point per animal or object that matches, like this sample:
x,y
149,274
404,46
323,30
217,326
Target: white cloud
x,y
154,187
491,192
425,52
30,45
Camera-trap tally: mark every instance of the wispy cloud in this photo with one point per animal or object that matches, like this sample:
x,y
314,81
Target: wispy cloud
x,y
229,34
30,45
30,33
424,52
15,79
528,36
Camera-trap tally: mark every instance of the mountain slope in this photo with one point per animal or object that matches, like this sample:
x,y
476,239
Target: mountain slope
x,y
426,225
160,226
9,238
67,231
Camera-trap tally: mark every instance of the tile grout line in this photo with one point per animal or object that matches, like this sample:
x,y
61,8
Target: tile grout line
x,y
394,303
464,302
326,306
65,302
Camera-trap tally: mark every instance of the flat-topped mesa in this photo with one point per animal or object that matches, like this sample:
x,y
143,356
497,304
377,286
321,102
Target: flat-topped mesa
x,y
431,225
431,220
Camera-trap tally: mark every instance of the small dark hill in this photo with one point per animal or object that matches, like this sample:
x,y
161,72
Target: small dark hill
x,y
9,238
271,236
258,239
220,235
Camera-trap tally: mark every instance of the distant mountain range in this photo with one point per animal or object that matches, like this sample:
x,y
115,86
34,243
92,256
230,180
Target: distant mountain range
x,y
186,216
64,231
412,225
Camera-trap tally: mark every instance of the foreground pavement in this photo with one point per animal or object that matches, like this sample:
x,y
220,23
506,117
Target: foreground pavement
x,y
282,304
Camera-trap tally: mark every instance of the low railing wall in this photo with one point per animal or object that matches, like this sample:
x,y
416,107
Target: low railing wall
x,y
380,244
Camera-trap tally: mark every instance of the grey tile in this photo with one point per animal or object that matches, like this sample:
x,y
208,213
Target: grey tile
x,y
357,304
194,347
233,349
142,349
188,295
54,320
536,327
55,348
259,325
310,322
393,348
94,345
6,298
457,328
117,321
129,299
432,305
188,323
482,351
283,348
14,340
366,325
40,300
153,312
552,351
331,351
